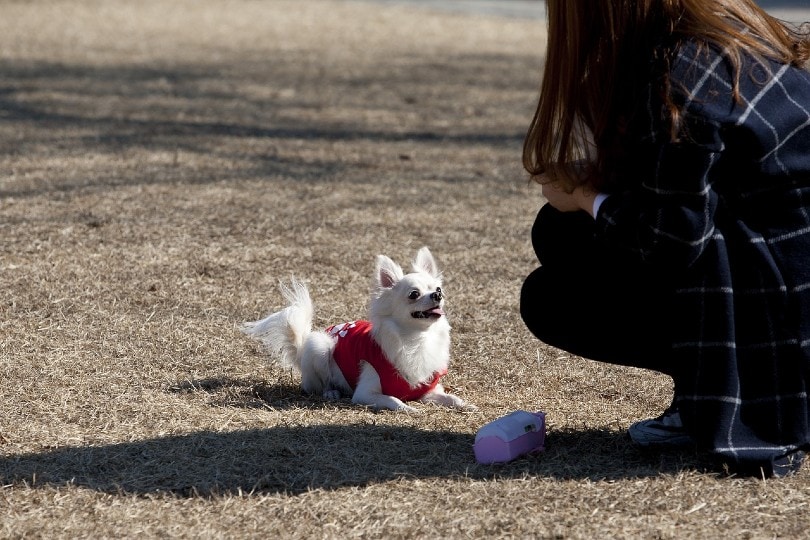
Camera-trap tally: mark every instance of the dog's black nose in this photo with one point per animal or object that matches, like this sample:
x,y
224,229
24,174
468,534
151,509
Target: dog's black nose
x,y
437,296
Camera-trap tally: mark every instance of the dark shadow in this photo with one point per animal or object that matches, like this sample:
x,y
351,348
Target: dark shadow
x,y
294,459
594,454
202,109
256,394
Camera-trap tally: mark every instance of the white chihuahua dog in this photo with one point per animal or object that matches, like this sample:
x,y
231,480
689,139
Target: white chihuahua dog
x,y
398,355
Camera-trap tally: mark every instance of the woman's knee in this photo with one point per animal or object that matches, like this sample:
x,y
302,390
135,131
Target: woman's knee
x,y
535,304
562,237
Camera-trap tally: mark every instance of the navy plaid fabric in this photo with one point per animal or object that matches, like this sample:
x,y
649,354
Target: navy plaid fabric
x,y
726,208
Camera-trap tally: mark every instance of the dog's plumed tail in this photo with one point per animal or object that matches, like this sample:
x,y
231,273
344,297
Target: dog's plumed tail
x,y
283,333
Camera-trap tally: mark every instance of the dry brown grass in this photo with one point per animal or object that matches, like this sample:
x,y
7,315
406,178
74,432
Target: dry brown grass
x,y
164,164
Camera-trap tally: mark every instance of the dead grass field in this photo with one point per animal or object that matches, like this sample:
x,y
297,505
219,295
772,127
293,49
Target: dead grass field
x,y
164,164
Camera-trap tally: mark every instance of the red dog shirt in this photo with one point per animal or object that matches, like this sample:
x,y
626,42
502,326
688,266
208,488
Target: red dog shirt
x,y
355,346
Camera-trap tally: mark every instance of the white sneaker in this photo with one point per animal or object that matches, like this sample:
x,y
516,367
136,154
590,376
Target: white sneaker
x,y
666,430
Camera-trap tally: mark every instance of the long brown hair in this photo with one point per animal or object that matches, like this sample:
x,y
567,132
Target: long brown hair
x,y
601,51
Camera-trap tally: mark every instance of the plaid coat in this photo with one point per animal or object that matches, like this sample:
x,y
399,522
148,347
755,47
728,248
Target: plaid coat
x,y
726,209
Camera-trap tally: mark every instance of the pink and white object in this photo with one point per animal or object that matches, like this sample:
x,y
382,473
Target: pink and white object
x,y
510,437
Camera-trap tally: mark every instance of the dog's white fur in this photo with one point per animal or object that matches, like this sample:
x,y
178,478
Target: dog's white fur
x,y
408,322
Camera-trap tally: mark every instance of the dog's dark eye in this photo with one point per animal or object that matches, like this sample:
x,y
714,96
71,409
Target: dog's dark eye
x,y
413,295
438,289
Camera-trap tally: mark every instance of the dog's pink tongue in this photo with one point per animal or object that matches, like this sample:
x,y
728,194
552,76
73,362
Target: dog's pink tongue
x,y
436,311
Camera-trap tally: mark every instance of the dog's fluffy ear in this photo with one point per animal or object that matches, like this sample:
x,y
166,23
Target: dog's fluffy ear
x,y
388,272
424,262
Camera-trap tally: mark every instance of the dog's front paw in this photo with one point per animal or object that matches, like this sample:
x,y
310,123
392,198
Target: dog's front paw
x,y
408,409
448,400
382,402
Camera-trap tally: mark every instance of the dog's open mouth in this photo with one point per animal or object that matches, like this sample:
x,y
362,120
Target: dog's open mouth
x,y
433,313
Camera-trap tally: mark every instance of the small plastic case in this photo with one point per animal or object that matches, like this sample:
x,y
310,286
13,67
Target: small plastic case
x,y
510,437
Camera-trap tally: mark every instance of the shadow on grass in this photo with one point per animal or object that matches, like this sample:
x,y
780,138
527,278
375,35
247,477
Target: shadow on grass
x,y
255,394
297,458
294,459
212,112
